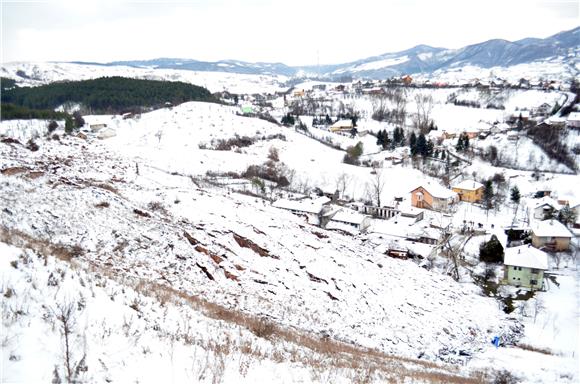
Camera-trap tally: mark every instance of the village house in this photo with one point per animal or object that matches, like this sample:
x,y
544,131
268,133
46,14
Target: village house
x,y
573,120
306,206
384,212
544,208
106,133
342,125
96,127
469,190
472,133
412,213
525,115
298,93
433,196
551,235
425,234
542,110
449,135
247,110
524,266
350,218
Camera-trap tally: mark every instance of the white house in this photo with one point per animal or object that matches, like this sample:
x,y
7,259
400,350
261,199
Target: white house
x,y
525,266
351,218
543,208
312,206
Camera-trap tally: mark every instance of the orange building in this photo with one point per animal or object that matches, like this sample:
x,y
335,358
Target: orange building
x,y
433,196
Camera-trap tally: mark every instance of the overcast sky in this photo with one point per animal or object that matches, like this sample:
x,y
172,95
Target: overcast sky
x,y
295,32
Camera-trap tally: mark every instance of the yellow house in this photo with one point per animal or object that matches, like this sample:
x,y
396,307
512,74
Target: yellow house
x,y
469,190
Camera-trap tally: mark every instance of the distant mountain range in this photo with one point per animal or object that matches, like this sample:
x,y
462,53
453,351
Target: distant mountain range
x,y
563,47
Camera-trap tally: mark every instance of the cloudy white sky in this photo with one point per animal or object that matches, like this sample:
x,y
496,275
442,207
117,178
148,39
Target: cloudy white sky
x,y
295,32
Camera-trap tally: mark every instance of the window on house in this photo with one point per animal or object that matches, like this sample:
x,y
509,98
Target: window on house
x,y
533,282
535,271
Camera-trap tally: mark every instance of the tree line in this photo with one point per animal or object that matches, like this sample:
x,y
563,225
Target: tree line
x,y
106,94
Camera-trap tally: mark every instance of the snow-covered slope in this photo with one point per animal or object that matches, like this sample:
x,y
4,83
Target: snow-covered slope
x,y
154,223
31,74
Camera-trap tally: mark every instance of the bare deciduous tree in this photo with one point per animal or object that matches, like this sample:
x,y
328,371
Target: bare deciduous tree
x,y
342,183
400,112
377,185
424,104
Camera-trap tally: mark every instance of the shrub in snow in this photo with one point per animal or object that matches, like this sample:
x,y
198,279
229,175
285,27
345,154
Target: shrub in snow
x,y
491,251
52,126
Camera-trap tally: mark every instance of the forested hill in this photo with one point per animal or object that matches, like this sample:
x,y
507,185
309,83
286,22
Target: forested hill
x,y
107,94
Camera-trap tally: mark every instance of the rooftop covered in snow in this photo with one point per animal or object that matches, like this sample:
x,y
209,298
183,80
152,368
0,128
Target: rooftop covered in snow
x,y
526,256
550,228
469,185
437,190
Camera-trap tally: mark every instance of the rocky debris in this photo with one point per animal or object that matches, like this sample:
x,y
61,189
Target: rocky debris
x,y
247,243
32,146
230,275
315,278
11,171
190,238
332,297
217,259
204,269
10,140
141,213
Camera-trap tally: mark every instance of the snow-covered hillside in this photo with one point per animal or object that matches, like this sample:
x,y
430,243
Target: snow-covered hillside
x,y
557,69
142,219
32,74
138,208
